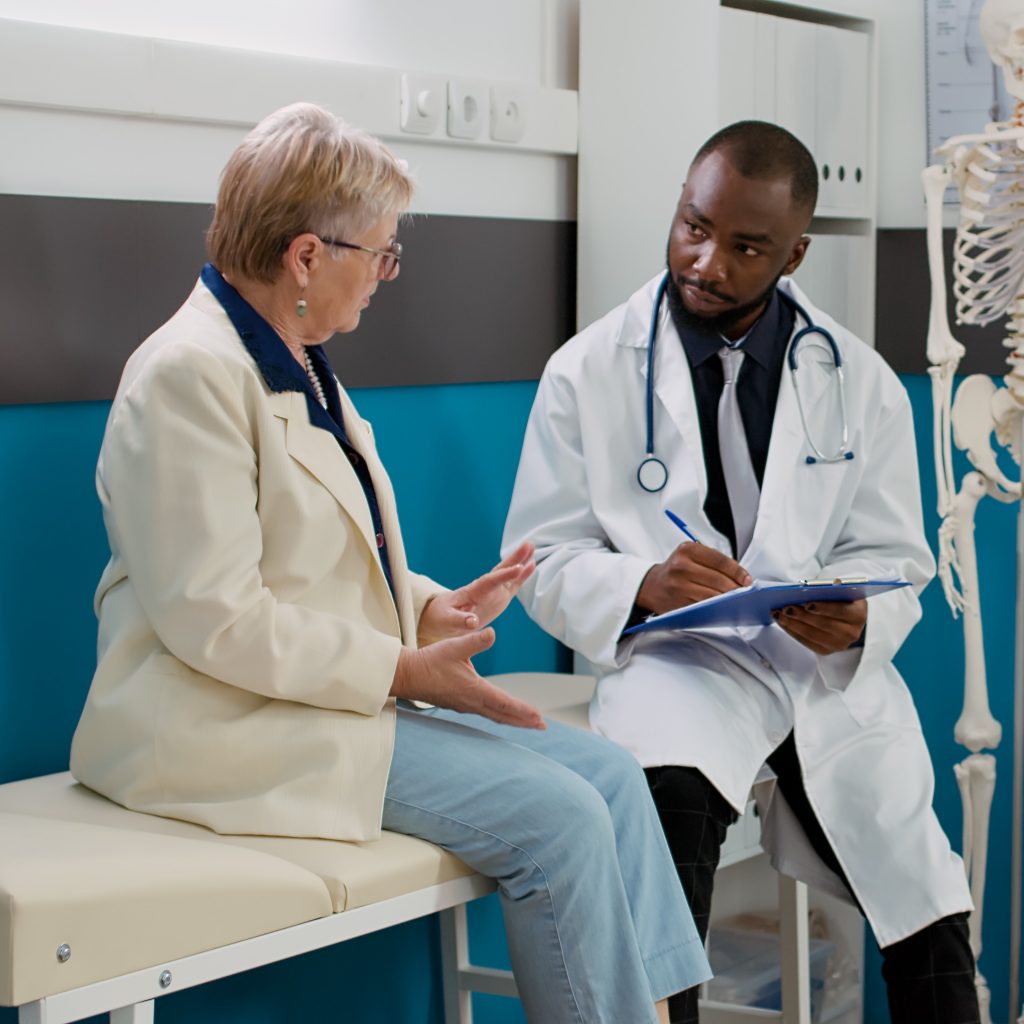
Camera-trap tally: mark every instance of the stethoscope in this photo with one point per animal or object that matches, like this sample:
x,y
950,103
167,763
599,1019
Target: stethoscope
x,y
652,473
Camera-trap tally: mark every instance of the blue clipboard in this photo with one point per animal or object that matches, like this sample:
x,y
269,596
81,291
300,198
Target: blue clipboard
x,y
753,605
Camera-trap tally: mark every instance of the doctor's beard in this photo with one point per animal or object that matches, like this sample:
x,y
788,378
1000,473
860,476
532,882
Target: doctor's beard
x,y
721,323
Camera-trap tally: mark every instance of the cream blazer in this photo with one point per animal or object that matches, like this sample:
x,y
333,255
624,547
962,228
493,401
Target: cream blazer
x,y
247,635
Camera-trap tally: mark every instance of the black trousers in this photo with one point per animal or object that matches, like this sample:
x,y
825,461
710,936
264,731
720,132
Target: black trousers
x,y
929,976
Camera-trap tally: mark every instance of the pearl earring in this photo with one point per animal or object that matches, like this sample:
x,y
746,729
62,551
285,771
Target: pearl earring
x,y
301,307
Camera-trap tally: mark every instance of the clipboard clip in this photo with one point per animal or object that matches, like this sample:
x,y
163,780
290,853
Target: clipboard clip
x,y
838,581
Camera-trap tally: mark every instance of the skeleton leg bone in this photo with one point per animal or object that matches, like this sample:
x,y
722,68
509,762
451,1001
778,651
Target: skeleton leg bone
x,y
976,780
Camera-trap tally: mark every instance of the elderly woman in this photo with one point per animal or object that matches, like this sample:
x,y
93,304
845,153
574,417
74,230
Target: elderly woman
x,y
261,638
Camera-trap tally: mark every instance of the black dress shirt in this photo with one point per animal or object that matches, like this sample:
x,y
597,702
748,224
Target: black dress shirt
x,y
757,392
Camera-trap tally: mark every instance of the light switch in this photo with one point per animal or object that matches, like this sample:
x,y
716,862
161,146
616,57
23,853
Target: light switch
x,y
421,103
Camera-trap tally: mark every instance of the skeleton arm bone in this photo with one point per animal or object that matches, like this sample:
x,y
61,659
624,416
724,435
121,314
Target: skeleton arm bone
x,y
944,351
943,348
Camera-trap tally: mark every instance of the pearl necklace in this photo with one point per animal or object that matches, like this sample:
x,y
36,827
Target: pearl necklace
x,y
315,380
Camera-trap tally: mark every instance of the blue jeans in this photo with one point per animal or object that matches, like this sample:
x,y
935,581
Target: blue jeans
x,y
598,927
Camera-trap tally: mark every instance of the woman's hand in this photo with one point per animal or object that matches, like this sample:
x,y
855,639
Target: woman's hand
x,y
479,603
452,627
443,674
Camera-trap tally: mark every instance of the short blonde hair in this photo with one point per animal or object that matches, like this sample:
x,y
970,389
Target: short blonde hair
x,y
300,169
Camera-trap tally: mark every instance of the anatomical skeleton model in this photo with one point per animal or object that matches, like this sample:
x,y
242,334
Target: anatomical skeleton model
x,y
988,284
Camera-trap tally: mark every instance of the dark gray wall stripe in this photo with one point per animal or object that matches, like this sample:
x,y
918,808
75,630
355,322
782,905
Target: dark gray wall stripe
x,y
903,296
83,281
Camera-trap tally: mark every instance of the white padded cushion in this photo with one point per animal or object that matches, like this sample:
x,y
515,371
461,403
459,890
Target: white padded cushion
x,y
561,697
127,890
356,874
125,900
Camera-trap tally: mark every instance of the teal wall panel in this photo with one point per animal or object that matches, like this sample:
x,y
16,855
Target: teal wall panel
x,y
452,453
53,550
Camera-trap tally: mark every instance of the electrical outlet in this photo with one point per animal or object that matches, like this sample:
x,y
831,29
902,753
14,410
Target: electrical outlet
x,y
421,103
468,103
508,113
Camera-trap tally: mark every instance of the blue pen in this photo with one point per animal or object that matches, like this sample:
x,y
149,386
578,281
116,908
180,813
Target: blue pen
x,y
682,526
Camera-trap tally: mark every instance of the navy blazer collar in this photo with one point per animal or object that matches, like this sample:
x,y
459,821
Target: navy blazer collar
x,y
273,358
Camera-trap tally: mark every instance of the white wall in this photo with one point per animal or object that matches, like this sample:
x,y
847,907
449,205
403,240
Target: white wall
x,y
54,144
648,99
521,41
531,41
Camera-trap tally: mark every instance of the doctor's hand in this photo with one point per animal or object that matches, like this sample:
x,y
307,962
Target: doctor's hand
x,y
691,573
825,626
479,603
443,674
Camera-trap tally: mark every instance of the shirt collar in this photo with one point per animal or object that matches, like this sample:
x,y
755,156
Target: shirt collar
x,y
279,367
761,344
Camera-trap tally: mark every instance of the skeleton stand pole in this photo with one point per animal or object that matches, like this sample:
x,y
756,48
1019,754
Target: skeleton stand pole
x,y
1018,768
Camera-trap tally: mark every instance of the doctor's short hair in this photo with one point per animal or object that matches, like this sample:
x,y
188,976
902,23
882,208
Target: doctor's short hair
x,y
300,169
760,150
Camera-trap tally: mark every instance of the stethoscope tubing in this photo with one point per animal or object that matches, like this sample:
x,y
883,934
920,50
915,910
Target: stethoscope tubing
x,y
842,455
654,469
652,335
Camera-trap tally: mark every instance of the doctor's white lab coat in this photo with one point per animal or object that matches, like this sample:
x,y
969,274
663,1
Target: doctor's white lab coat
x,y
722,700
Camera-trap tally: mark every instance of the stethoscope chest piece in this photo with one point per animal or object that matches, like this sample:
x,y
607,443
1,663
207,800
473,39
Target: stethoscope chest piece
x,y
652,474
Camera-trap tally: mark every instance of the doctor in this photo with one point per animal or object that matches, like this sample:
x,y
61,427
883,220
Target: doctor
x,y
779,475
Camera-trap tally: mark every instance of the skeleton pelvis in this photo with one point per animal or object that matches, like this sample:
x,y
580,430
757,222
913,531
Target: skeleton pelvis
x,y
979,409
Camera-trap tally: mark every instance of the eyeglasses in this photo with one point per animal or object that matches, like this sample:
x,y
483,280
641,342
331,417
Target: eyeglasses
x,y
388,269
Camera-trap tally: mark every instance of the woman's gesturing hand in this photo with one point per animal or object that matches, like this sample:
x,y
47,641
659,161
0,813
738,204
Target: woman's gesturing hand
x,y
479,603
443,674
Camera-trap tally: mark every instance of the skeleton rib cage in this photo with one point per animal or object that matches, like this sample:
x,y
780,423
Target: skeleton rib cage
x,y
988,254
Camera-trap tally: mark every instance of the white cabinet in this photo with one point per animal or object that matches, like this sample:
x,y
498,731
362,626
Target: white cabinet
x,y
812,79
816,80
838,272
841,141
746,79
795,89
